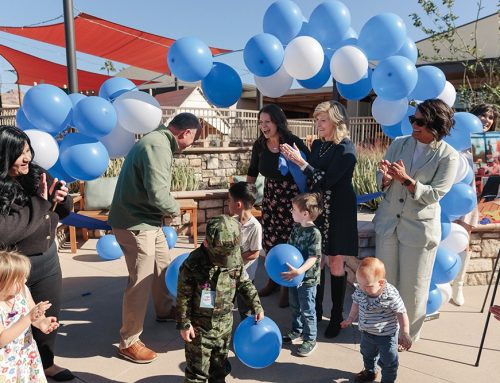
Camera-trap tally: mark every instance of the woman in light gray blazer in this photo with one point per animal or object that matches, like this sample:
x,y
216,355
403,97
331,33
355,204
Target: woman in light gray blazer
x,y
417,171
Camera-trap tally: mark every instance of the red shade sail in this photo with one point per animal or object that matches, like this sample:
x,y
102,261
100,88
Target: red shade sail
x,y
106,39
31,69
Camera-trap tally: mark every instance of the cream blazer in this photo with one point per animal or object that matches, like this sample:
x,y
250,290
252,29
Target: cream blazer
x,y
416,217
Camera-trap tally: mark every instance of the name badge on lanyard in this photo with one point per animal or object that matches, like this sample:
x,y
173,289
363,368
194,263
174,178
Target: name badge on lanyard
x,y
207,299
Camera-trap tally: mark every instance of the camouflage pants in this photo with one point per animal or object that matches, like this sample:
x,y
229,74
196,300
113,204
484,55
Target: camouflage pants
x,y
206,358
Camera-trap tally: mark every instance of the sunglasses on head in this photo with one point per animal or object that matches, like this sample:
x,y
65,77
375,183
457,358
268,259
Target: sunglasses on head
x,y
418,121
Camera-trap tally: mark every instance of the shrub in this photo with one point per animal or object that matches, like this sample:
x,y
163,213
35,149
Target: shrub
x,y
184,178
364,180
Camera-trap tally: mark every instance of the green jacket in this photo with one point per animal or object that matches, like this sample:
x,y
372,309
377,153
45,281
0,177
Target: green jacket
x,y
142,195
197,274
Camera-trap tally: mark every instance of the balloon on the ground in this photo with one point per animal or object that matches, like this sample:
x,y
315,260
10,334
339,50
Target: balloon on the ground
x,y
357,91
283,19
275,85
408,50
222,86
387,112
48,108
457,240
446,291
45,147
115,86
94,116
118,142
263,54
304,57
257,344
394,78
446,266
445,226
276,263
320,78
108,248
172,274
170,236
190,59
449,94
329,22
22,121
83,157
382,36
138,112
348,65
430,84
465,120
460,200
434,300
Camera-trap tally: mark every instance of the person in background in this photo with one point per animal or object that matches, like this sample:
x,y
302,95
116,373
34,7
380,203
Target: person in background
x,y
331,167
417,171
488,114
279,190
31,204
495,310
141,204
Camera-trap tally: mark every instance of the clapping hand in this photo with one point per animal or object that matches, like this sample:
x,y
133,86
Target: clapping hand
x,y
38,311
292,154
397,171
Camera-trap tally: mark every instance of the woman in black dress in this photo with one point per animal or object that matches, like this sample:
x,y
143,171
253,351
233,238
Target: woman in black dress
x,y
330,169
279,190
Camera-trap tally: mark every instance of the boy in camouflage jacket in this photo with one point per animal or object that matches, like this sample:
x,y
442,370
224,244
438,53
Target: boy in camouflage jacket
x,y
208,282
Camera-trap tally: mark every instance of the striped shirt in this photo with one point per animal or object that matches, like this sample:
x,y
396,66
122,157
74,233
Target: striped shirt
x,y
377,315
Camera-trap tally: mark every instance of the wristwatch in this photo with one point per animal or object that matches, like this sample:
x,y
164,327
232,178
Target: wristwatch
x,y
183,326
407,182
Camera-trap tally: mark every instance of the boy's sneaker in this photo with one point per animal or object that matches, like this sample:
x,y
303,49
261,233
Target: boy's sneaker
x,y
290,337
307,348
365,376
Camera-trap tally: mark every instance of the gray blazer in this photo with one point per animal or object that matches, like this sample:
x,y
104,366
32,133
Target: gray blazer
x,y
416,216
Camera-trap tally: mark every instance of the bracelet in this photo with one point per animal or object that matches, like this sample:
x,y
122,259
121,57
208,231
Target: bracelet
x,y
304,166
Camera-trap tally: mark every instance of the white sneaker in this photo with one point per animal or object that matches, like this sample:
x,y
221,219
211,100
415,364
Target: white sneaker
x,y
458,294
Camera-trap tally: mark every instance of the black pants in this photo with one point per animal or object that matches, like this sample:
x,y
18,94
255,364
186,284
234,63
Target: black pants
x,y
45,284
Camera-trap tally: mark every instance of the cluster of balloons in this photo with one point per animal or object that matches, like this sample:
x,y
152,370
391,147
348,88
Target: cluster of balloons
x,y
106,126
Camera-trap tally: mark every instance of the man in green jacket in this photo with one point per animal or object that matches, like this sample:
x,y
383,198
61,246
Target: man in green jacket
x,y
141,201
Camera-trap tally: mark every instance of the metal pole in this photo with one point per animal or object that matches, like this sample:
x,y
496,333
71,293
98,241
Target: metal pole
x,y
259,98
69,33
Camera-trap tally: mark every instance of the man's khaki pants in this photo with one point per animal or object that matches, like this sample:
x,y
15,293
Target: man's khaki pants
x,y
147,257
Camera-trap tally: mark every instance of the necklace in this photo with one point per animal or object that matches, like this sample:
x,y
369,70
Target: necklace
x,y
11,306
325,148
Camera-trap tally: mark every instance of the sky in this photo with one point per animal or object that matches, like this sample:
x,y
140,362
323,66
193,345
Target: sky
x,y
219,23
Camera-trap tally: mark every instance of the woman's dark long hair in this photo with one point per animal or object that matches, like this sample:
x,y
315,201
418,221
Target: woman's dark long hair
x,y
15,190
277,117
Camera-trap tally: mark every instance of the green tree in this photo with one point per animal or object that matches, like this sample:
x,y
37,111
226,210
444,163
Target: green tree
x,y
108,66
481,76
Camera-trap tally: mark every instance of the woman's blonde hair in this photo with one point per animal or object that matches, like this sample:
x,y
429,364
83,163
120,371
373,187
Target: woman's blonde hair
x,y
14,269
338,116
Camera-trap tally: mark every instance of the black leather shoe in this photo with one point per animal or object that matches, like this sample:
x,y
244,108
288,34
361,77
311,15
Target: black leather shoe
x,y
63,376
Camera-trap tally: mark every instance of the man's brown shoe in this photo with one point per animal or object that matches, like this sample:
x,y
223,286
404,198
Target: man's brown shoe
x,y
365,376
138,353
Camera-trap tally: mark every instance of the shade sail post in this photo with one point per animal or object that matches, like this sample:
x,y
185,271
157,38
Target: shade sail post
x,y
69,33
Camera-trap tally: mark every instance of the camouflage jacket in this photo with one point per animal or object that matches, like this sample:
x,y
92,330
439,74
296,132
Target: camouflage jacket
x,y
198,274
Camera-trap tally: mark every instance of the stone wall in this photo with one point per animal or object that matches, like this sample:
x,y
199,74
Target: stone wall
x,y
484,247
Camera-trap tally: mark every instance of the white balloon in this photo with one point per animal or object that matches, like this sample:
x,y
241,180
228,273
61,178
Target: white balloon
x,y
45,147
388,112
457,240
348,64
446,291
138,112
275,85
304,57
118,142
449,94
462,169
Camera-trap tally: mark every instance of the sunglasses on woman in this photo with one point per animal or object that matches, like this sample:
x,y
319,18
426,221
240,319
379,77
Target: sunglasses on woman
x,y
419,121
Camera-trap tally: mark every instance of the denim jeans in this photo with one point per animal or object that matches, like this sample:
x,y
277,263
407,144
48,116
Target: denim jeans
x,y
381,348
302,301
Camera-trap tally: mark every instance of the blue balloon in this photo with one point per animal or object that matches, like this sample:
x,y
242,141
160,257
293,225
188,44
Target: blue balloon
x,y
358,90
392,131
48,108
75,99
460,200
459,137
445,226
170,236
434,300
263,54
394,78
329,22
222,86
58,172
283,19
468,121
257,344
172,274
22,121
115,86
108,248
382,36
94,117
320,78
190,59
276,261
408,50
83,157
446,266
430,84
469,177
406,127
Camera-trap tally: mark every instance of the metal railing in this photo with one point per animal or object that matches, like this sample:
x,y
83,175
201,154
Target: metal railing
x,y
8,116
